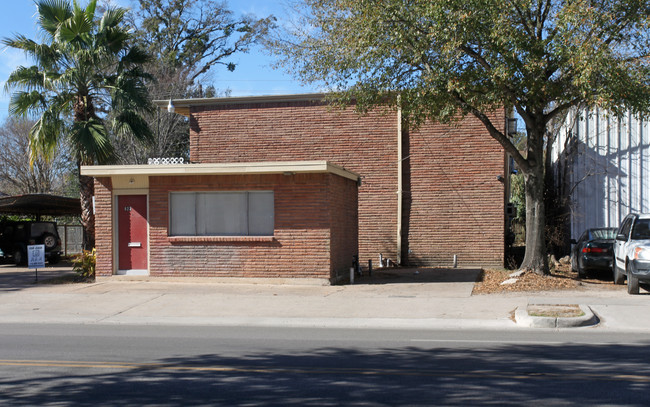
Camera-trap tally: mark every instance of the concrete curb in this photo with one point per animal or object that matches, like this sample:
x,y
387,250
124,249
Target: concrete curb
x,y
522,318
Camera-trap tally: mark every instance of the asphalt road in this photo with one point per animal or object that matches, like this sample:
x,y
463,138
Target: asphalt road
x,y
171,365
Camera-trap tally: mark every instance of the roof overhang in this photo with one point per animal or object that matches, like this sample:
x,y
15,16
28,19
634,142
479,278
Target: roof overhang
x,y
287,168
40,205
182,106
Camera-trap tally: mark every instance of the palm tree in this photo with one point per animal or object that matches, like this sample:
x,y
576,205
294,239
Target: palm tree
x,y
86,85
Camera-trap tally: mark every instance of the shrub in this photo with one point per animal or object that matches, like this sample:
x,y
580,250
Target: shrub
x,y
84,264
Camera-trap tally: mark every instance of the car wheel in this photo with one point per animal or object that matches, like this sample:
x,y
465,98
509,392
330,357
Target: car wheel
x,y
19,257
618,276
49,240
632,284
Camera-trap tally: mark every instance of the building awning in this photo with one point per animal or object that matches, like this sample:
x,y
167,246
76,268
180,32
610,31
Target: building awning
x,y
40,205
285,167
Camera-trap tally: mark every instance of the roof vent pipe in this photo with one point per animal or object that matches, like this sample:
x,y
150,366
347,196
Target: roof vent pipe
x,y
170,107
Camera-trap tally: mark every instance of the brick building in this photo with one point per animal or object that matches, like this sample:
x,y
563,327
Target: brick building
x,y
424,195
285,220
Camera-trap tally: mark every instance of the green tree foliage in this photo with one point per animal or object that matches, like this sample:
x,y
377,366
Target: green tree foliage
x,y
187,39
85,68
450,58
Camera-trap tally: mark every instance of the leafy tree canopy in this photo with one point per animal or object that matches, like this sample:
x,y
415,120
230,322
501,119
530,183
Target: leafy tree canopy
x,y
446,59
472,56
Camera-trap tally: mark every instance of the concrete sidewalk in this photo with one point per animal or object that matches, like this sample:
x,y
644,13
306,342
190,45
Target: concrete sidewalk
x,y
400,300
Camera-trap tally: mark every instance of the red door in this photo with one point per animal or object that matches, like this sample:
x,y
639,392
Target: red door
x,y
132,232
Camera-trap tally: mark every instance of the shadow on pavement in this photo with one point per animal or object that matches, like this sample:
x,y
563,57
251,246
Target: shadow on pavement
x,y
13,278
418,275
505,375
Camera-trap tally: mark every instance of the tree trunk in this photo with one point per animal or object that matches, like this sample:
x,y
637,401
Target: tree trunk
x,y
535,256
87,190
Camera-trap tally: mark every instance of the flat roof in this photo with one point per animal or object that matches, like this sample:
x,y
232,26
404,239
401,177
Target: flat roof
x,y
281,167
182,106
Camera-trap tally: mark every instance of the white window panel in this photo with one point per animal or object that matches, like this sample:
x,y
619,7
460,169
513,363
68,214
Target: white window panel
x,y
183,214
261,221
222,214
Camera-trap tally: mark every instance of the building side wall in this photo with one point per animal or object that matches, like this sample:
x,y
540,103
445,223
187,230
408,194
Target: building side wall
x,y
103,227
310,131
300,246
344,221
451,195
453,200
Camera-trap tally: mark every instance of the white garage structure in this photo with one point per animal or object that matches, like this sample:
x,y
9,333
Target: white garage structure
x,y
603,164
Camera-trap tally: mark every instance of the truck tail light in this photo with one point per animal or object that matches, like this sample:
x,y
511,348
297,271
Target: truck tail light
x,y
594,250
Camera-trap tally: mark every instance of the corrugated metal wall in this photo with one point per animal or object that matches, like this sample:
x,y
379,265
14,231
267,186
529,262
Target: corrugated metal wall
x,y
603,164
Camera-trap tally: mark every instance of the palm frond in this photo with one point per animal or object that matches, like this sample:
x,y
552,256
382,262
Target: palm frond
x,y
44,136
129,122
44,55
129,93
90,10
112,18
21,42
135,56
25,78
91,142
75,28
51,13
114,39
22,103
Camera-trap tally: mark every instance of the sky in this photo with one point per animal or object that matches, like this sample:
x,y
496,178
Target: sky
x,y
253,75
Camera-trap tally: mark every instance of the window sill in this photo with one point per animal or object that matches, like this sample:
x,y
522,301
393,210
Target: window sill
x,y
201,239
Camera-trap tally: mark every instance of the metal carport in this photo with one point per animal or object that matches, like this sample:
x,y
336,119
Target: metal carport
x,y
40,205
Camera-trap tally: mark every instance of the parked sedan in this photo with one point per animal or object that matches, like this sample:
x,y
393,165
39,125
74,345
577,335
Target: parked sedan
x,y
593,251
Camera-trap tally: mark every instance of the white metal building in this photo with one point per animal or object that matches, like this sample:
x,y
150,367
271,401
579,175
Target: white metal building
x,y
603,164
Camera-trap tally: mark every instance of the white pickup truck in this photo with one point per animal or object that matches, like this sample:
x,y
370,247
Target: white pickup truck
x,y
632,252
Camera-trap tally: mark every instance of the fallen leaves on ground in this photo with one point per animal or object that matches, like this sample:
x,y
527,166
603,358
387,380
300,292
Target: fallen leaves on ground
x,y
560,278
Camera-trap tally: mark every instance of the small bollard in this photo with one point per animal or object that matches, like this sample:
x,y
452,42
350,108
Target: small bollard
x,y
370,267
351,275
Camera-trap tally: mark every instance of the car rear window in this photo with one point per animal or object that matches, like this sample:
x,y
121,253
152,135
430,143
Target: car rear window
x,y
603,234
38,228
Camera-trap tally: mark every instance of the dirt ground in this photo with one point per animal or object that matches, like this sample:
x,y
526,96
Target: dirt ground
x,y
561,278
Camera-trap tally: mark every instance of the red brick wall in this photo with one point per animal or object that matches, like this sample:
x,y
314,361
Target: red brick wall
x,y
308,131
103,227
344,220
454,201
302,237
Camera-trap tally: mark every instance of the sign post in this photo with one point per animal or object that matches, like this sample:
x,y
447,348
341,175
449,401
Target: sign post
x,y
36,257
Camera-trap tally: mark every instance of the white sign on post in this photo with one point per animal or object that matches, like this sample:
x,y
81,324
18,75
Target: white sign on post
x,y
36,256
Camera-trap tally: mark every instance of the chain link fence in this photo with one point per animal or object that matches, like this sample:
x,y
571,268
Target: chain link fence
x,y
71,239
